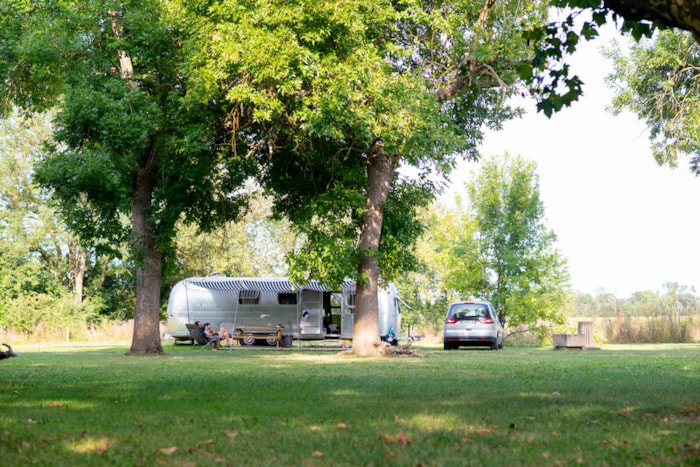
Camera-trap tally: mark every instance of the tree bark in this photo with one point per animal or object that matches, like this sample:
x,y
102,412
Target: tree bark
x,y
146,337
78,267
380,171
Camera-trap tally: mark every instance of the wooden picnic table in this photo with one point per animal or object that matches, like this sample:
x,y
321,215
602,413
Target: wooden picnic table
x,y
259,332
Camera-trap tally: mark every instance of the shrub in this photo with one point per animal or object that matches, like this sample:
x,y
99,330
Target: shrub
x,y
42,316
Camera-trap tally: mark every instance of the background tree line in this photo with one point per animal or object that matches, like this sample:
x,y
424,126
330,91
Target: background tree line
x,y
669,315
50,279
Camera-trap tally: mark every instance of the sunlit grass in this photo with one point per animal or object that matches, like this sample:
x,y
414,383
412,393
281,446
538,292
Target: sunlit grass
x,y
94,405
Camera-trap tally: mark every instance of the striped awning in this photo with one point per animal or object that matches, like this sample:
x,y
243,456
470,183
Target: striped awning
x,y
233,284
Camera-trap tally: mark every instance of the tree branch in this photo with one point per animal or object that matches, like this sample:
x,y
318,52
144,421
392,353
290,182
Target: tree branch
x,y
485,12
125,64
682,14
475,70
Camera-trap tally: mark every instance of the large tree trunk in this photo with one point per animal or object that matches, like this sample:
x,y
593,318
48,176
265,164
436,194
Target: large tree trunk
x,y
380,170
146,338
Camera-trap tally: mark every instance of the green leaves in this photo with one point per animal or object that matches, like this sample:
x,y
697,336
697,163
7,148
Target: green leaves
x,y
548,75
318,83
498,248
109,127
658,82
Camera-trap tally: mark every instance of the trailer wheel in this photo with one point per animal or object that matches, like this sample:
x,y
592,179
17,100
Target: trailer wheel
x,y
249,340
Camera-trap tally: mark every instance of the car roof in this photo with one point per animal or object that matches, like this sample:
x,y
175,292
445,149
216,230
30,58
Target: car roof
x,y
471,302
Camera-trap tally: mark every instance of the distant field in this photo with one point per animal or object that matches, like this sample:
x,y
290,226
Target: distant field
x,y
90,405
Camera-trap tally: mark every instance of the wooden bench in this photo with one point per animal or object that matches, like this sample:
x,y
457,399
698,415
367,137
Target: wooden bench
x,y
259,332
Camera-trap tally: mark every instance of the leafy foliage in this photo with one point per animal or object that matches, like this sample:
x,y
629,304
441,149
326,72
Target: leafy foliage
x,y
319,84
129,143
108,126
548,73
29,234
38,314
673,300
424,289
256,245
40,256
658,82
498,249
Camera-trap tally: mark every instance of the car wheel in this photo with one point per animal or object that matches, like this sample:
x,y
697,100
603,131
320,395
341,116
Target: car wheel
x,y
447,345
500,346
249,340
271,342
494,346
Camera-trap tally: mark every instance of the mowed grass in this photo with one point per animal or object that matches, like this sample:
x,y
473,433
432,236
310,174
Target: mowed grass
x,y
623,405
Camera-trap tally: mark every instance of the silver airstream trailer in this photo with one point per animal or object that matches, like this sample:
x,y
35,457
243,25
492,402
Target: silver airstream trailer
x,y
308,312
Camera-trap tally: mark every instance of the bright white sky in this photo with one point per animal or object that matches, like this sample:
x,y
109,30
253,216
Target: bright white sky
x,y
624,223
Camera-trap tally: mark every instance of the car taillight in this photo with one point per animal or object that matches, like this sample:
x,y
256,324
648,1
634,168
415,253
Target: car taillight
x,y
451,321
486,320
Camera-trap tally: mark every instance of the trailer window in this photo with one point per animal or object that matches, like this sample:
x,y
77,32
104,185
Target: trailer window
x,y
249,297
351,299
287,298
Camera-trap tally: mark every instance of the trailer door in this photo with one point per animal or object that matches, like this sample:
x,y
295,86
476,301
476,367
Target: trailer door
x,y
311,313
347,316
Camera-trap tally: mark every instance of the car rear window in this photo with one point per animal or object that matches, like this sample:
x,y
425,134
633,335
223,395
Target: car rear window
x,y
468,311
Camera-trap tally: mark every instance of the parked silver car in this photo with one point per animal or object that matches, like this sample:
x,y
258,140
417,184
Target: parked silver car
x,y
472,323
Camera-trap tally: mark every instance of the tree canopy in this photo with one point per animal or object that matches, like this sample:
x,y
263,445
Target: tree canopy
x,y
659,82
164,108
128,142
499,249
331,97
548,73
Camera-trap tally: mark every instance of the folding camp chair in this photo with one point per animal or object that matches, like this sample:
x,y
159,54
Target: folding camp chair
x,y
198,338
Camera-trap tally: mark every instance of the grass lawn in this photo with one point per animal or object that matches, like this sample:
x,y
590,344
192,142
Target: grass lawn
x,y
622,405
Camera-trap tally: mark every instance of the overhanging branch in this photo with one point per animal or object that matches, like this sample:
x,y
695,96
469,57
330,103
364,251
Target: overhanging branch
x,y
682,14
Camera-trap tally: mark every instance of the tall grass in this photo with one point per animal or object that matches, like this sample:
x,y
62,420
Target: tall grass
x,y
652,329
107,332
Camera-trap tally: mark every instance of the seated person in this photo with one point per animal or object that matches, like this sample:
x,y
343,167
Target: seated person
x,y
225,335
222,334
200,326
